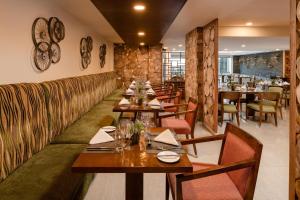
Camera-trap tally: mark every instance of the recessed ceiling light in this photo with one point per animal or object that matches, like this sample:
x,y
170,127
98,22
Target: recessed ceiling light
x,y
139,7
243,45
142,44
277,49
180,45
141,33
225,49
249,24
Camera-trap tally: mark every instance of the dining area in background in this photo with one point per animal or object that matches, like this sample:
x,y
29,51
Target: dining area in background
x,y
259,95
152,142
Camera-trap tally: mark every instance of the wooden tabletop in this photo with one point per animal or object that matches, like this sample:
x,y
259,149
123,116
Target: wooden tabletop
x,y
134,160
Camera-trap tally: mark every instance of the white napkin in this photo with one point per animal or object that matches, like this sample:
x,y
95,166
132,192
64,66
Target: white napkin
x,y
129,91
166,137
133,82
101,137
154,102
148,82
286,83
124,102
147,86
150,91
132,86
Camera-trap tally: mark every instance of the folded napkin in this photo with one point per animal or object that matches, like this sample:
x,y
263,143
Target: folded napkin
x,y
101,137
154,102
150,91
166,137
129,91
133,82
286,83
148,82
124,102
132,86
147,86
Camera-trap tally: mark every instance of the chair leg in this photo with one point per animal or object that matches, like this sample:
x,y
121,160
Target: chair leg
x,y
280,110
194,145
260,118
222,118
275,117
266,116
237,118
167,188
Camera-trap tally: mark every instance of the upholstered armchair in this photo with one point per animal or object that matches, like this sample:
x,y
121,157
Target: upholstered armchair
x,y
233,109
234,177
183,126
267,104
280,91
170,102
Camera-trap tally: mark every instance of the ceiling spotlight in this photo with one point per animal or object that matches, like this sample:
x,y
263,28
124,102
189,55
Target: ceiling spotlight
x,y
139,7
142,44
249,24
141,33
243,45
180,45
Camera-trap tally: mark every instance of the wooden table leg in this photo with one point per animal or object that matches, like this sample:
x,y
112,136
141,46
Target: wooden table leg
x,y
134,186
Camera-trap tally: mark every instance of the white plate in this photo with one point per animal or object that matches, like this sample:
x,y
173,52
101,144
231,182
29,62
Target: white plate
x,y
168,156
109,128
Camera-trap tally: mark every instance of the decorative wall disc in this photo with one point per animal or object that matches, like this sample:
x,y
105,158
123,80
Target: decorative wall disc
x,y
86,46
42,56
55,51
102,54
40,31
46,35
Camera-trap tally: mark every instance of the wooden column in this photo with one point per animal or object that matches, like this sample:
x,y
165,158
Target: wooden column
x,y
210,76
294,48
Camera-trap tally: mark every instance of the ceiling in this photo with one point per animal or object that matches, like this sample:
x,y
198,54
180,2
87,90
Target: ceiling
x,y
231,14
154,20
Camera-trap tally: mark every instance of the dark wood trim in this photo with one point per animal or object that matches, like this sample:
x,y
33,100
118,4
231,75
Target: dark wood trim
x,y
134,186
293,106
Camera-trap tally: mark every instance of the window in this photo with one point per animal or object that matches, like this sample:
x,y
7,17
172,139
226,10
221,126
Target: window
x,y
173,64
225,65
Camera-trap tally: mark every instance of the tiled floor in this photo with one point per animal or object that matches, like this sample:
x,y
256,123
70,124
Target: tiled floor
x,y
272,181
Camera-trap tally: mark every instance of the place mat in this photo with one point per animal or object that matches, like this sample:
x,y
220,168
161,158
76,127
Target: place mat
x,y
157,147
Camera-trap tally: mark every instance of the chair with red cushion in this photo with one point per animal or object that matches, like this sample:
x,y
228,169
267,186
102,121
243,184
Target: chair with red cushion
x,y
170,102
184,126
234,177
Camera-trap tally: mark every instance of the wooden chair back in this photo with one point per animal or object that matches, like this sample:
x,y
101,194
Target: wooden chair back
x,y
231,96
237,146
192,116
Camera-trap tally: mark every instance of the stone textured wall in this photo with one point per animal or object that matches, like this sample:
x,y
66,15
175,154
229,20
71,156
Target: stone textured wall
x,y
141,63
201,76
193,65
260,64
210,74
287,64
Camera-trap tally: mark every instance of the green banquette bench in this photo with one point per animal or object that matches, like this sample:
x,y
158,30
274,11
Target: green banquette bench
x,y
43,128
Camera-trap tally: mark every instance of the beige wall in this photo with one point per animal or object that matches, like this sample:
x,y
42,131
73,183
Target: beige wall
x,y
16,19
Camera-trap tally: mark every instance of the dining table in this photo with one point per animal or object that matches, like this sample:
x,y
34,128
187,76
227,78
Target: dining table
x,y
133,161
136,108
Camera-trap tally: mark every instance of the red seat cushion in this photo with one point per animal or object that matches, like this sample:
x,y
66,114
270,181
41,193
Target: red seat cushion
x,y
216,187
180,126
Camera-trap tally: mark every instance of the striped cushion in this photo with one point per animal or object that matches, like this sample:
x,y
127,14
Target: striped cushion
x,y
24,125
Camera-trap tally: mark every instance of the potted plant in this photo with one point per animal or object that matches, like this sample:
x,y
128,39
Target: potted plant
x,y
135,131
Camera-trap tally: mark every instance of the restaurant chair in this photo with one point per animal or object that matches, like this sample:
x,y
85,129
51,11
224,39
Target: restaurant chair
x,y
286,95
164,93
232,97
265,105
280,91
234,177
184,126
170,102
